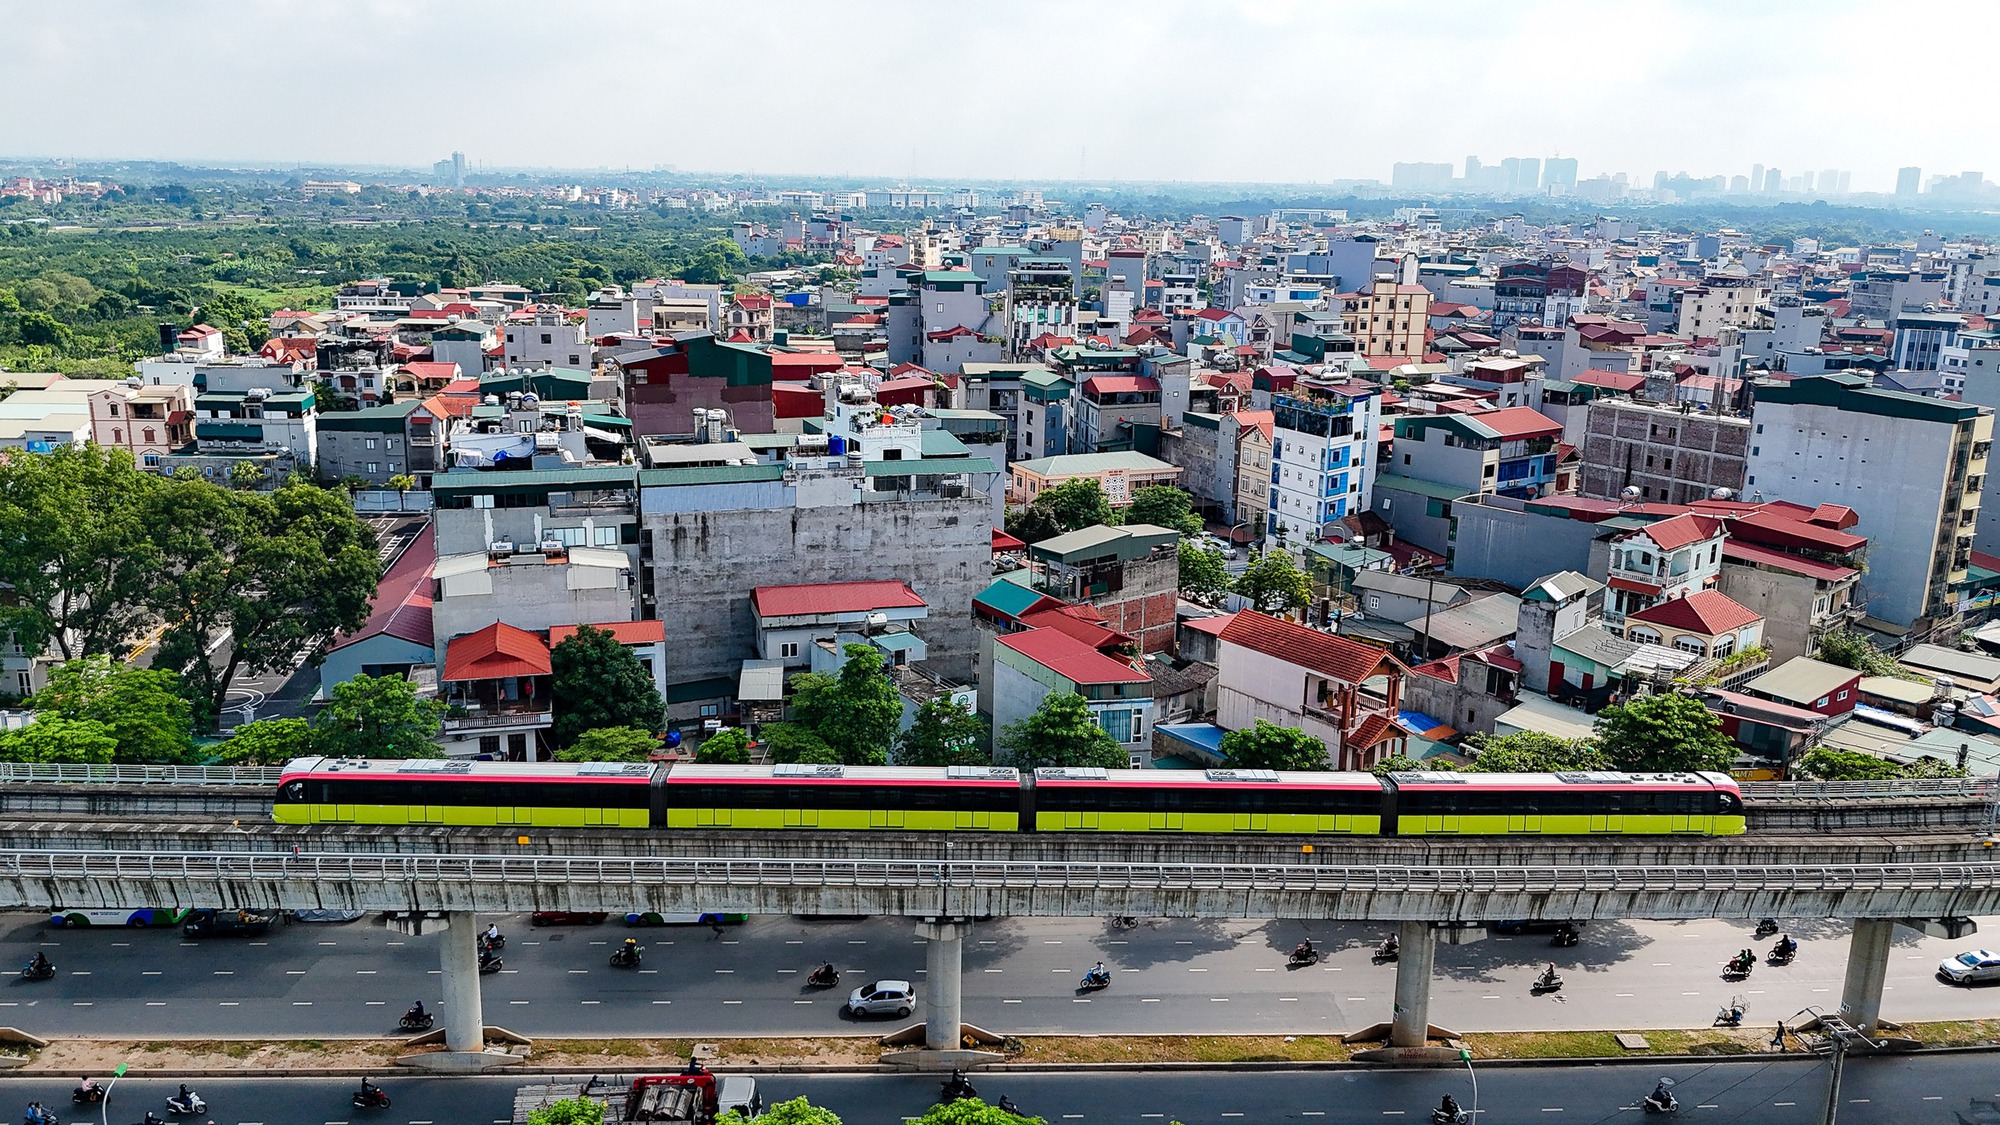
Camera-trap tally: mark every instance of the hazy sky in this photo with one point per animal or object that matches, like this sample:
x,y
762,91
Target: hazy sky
x,y
940,90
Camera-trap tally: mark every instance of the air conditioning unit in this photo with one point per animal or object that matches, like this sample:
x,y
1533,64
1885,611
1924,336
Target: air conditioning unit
x,y
501,547
552,545
711,726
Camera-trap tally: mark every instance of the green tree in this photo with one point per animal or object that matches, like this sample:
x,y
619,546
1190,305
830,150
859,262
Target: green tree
x,y
59,740
1268,746
246,474
856,710
39,328
790,742
726,747
1671,732
1060,509
1828,764
267,742
1531,751
1273,583
1062,732
378,717
569,1111
402,483
1163,505
76,548
1403,763
1204,578
611,744
1850,649
275,574
943,732
1928,766
972,1111
598,682
798,1111
141,707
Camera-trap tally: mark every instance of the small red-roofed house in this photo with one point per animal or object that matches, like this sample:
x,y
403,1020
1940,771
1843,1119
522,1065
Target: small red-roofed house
x,y
1341,691
1708,624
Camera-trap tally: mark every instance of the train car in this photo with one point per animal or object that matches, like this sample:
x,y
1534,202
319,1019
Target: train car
x,y
842,798
446,791
1566,804
1097,800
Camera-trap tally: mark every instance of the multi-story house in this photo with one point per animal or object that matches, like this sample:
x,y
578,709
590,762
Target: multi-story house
x,y
495,682
1672,558
1707,623
551,339
1720,301
747,319
1340,691
148,422
1106,409
381,442
1510,452
1253,475
1130,574
1671,454
1120,474
1040,302
276,430
1912,468
1389,320
1323,453
1033,664
1044,415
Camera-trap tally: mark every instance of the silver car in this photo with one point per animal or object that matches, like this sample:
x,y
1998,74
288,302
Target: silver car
x,y
1975,966
882,998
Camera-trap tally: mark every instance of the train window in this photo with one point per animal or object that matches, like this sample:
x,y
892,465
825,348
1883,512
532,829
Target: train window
x,y
292,792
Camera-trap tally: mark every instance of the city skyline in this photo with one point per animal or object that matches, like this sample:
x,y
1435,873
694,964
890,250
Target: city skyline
x,y
580,88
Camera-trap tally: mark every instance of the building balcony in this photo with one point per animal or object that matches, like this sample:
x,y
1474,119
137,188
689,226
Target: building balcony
x,y
477,717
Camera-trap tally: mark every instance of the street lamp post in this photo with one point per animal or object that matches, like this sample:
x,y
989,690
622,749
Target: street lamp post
x,y
1466,1054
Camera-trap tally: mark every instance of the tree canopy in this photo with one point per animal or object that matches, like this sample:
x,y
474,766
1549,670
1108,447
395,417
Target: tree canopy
x,y
1060,509
726,747
855,711
56,739
76,547
611,744
1828,764
1204,577
1062,732
1273,583
798,1111
1531,751
943,733
570,1111
1268,746
1668,731
597,682
972,1111
141,708
1403,763
1851,649
378,717
267,742
1163,505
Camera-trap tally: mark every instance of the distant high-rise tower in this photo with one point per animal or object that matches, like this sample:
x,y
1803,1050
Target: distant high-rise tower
x,y
1774,179
1756,177
1559,172
458,169
1909,180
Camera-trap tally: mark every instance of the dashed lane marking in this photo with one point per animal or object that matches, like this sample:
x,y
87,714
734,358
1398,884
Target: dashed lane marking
x,y
156,1003
517,1002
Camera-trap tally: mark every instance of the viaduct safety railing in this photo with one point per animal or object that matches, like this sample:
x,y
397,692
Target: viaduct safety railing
x,y
1980,788
212,867
70,774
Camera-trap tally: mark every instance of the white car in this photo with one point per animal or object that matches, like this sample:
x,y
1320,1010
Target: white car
x,y
1211,543
882,998
1976,966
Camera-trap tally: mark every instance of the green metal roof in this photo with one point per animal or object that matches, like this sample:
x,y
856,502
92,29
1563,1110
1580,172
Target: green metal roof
x,y
930,466
897,642
240,431
1042,379
388,419
1202,421
715,687
498,480
950,277
943,443
1009,598
1852,392
1421,487
709,474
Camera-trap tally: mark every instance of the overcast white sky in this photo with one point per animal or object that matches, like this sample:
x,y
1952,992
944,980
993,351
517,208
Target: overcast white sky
x,y
941,90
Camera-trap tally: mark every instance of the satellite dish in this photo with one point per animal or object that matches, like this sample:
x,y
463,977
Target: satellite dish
x,y
1630,493
1723,494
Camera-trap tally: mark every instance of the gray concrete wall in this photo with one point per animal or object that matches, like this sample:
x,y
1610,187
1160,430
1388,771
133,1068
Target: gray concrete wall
x,y
1508,545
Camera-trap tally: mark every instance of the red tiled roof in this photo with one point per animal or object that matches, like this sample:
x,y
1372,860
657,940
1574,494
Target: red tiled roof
x,y
1215,314
1336,657
832,597
1072,659
1519,422
1373,729
739,337
1005,542
431,370
1630,586
1776,530
1120,384
402,604
755,302
624,632
498,650
1673,534
1213,626
1445,669
1096,635
1733,548
1708,612
1610,380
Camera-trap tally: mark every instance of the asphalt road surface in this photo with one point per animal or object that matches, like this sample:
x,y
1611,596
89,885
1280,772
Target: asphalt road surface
x,y
355,978
1930,1091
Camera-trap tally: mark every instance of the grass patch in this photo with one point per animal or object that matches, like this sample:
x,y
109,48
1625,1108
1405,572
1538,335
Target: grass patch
x,y
1954,1033
1184,1048
1602,1044
617,1048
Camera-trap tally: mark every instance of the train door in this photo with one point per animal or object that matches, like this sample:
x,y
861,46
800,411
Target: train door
x,y
885,818
1609,816
1165,821
1077,818
1252,822
1527,820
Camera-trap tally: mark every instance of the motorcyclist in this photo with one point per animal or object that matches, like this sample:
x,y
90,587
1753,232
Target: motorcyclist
x,y
88,1090
825,973
1786,947
1389,946
1661,1096
416,1014
1006,1105
1098,972
957,1087
41,963
370,1092
1303,951
187,1098
492,932
1448,1108
630,951
694,1069
36,1115
153,1119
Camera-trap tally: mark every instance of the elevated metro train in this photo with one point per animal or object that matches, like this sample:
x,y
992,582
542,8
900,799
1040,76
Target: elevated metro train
x,y
1002,799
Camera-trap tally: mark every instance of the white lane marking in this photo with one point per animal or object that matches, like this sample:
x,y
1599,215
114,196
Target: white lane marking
x,y
329,943
1288,999
732,1001
1489,998
302,1003
1010,1001
783,972
402,943
1193,969
725,970
1857,1101
992,970
156,1003
1784,1103
83,1003
225,972
230,1004
801,1001
579,971
1218,999
258,943
376,1003
1933,1097
1690,994
1266,969
663,1001
856,941
295,972
1146,1000
149,972
79,972
1623,995
802,943
517,1002
648,972
593,1001
364,972
124,944
1057,941
1081,1000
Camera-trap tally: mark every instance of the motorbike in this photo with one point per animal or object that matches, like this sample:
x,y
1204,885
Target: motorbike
x,y
489,963
411,1021
87,1095
1547,982
1565,937
1738,967
1094,981
1006,1105
625,957
1302,957
192,1104
956,1088
1387,951
496,942
44,971
1459,1116
1731,1015
826,976
371,1097
1767,927
1124,922
1669,1106
1780,955
38,1115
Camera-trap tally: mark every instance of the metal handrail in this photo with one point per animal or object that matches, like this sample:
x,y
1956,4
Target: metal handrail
x,y
207,867
122,774
1984,788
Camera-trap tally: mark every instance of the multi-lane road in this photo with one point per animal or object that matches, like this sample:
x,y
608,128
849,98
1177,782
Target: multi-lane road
x,y
1927,1091
353,979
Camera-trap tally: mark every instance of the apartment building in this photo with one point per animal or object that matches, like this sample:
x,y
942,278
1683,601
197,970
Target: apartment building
x,y
1323,457
1672,454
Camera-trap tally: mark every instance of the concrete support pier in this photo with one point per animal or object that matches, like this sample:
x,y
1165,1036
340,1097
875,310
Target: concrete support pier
x,y
1415,959
464,1017
944,964
1867,967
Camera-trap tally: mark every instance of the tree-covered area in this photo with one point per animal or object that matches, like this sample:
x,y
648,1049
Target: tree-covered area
x,y
87,298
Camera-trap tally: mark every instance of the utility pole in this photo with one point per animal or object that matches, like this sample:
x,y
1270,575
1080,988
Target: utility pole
x,y
1841,1037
